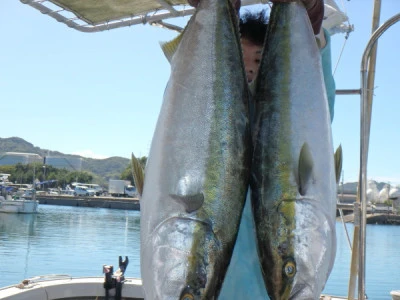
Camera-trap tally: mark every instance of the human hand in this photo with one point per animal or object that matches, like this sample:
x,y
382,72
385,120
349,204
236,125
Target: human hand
x,y
315,10
236,3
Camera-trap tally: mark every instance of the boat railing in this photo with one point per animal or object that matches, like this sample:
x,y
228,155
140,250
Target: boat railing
x,y
360,206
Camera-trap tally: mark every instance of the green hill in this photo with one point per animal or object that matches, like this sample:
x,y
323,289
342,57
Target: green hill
x,y
104,169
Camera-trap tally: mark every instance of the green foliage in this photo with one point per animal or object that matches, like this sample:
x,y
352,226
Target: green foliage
x,y
29,173
127,175
7,169
388,202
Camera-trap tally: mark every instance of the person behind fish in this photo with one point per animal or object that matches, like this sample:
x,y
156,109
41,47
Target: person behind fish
x,y
253,28
244,279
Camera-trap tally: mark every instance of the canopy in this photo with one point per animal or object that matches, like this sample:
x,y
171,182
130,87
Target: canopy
x,y
100,15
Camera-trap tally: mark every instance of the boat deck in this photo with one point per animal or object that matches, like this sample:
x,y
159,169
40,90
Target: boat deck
x,y
63,287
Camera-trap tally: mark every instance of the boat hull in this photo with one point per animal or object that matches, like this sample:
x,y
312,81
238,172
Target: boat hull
x,y
64,287
22,206
395,295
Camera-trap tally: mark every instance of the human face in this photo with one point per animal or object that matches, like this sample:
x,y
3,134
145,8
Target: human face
x,y
251,57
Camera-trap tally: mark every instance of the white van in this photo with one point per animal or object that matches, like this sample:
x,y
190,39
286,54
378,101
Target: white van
x,y
83,191
94,186
98,190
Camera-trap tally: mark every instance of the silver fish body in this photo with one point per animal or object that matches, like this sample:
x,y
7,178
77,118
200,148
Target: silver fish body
x,y
198,169
293,175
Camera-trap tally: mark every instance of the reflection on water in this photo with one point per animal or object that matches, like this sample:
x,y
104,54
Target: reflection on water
x,y
67,240
18,226
12,223
79,240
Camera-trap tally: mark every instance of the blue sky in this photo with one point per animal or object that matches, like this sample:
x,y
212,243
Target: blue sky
x,y
99,94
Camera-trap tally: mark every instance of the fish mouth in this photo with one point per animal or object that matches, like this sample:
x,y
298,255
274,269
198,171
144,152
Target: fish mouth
x,y
302,291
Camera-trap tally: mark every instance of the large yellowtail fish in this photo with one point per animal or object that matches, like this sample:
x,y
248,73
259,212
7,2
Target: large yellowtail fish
x,y
198,168
293,173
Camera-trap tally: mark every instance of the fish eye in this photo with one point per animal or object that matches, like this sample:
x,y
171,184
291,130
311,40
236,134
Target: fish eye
x,y
187,297
290,269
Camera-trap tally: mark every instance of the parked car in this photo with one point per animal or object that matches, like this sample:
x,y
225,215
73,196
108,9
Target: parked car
x,y
53,191
83,191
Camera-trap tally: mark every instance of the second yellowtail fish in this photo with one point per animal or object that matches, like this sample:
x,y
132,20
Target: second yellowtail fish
x,y
293,174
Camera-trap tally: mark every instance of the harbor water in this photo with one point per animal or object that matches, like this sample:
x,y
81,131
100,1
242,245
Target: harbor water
x,y
78,241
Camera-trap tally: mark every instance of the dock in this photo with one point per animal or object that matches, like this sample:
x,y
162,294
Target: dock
x,y
96,201
375,218
379,216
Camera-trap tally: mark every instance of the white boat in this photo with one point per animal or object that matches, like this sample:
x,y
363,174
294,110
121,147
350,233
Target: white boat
x,y
114,285
395,295
59,287
18,205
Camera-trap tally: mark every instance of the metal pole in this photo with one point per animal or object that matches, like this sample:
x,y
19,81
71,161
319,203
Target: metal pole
x,y
358,253
364,142
367,100
348,92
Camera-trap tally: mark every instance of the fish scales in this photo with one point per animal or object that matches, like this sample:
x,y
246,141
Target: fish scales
x,y
293,176
199,163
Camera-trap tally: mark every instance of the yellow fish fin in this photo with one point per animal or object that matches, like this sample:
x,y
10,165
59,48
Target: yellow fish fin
x,y
169,48
338,162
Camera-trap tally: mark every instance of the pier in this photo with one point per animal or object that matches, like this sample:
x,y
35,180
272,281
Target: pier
x,y
375,218
100,202
380,215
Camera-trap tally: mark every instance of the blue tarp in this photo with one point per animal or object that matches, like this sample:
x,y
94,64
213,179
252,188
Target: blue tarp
x,y
8,188
46,181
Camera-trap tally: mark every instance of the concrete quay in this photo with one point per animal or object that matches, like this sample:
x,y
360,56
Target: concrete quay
x,y
134,203
100,202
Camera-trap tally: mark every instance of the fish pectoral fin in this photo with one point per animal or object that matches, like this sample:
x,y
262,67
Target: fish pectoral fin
x,y
190,202
306,165
338,157
169,48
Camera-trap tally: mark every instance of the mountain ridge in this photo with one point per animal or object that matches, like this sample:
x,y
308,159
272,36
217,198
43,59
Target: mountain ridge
x,y
106,168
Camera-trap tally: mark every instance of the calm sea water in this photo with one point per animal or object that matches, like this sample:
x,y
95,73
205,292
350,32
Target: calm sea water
x,y
78,241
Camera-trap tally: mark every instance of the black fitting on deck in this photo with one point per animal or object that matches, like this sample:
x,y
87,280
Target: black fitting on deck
x,y
115,279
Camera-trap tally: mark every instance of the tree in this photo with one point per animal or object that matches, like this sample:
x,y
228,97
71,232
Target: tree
x,y
7,169
388,203
127,174
21,173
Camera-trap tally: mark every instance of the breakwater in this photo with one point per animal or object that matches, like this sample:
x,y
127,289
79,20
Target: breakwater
x,y
380,216
129,203
101,202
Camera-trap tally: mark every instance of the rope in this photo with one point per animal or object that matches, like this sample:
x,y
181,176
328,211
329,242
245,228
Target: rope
x,y
341,52
341,217
345,227
350,28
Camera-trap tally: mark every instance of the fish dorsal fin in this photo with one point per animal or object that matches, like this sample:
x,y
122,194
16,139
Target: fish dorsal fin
x,y
306,165
190,202
138,175
169,48
338,162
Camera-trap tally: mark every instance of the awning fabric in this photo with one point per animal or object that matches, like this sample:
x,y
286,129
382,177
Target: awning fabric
x,y
100,15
